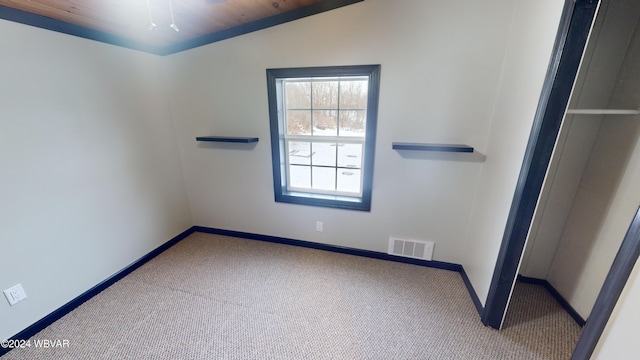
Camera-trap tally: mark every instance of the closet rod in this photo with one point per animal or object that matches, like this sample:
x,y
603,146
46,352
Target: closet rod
x,y
604,111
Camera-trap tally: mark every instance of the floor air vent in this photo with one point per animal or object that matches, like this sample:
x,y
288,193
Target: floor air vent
x,y
411,248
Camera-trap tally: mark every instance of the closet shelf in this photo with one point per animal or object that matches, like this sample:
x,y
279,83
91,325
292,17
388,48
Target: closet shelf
x,y
231,139
603,111
432,147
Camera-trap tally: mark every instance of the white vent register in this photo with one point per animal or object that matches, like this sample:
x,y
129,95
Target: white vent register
x,y
411,248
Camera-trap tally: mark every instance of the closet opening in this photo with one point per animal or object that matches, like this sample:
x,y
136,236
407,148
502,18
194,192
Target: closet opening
x,y
577,191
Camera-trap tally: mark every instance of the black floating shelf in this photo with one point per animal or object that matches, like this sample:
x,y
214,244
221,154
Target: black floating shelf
x,y
231,139
432,147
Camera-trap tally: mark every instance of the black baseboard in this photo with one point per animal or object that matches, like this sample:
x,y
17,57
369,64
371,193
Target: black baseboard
x,y
472,291
351,251
332,248
561,300
68,307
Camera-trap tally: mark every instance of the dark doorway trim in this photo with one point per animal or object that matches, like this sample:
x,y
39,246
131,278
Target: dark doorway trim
x,y
575,25
610,293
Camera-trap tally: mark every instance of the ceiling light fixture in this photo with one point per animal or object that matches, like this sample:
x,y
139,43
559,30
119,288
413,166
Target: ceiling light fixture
x,y
152,25
173,22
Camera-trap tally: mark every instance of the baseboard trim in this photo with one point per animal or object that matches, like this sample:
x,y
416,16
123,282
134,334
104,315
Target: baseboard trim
x,y
472,291
559,298
332,248
68,307
351,251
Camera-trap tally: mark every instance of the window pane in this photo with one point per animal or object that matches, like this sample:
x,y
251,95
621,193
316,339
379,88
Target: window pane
x,y
324,178
353,122
325,122
299,152
353,94
300,176
325,95
298,122
324,154
349,180
350,155
297,95
323,132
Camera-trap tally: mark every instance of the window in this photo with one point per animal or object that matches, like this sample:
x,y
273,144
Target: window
x,y
323,131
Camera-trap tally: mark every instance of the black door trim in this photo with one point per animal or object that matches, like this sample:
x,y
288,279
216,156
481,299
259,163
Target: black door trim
x,y
610,293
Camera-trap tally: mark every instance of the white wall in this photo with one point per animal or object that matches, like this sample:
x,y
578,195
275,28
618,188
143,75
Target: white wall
x,y
605,203
441,63
90,178
577,137
534,25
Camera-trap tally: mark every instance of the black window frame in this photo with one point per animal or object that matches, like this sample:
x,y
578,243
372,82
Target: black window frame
x,y
277,128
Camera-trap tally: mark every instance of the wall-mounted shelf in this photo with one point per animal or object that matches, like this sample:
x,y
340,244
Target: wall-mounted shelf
x,y
432,147
231,139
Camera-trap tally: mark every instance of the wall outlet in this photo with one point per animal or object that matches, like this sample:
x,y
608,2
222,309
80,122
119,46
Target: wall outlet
x,y
15,294
319,226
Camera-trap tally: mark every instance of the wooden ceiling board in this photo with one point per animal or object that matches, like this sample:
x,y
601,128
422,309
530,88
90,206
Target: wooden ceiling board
x,y
129,21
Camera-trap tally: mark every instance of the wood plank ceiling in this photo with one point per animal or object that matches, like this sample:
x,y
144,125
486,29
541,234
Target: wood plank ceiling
x,y
132,19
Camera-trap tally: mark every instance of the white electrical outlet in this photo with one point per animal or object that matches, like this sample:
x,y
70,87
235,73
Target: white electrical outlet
x,y
15,294
319,226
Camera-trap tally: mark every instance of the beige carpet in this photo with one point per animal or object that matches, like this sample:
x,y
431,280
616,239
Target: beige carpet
x,y
215,297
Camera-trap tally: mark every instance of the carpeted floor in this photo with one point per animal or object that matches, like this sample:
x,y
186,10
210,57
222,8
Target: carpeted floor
x,y
215,297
